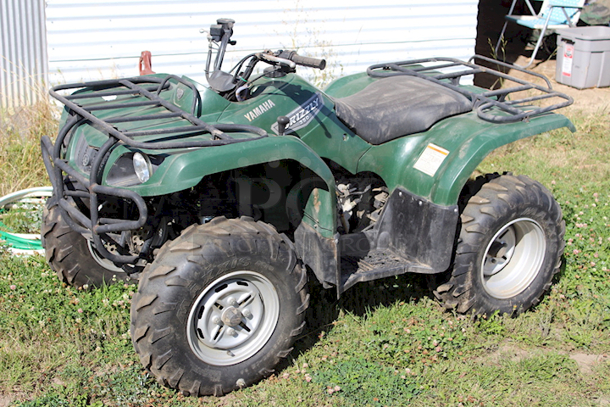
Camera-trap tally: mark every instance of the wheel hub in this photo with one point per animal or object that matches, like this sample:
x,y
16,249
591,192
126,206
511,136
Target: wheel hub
x,y
500,252
231,317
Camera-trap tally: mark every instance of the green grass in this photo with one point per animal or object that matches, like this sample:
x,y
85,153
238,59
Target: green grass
x,y
384,343
20,133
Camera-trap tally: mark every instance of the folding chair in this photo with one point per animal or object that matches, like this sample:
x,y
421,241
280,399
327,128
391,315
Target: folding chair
x,y
554,14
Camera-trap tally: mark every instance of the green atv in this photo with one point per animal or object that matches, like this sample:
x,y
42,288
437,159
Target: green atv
x,y
221,199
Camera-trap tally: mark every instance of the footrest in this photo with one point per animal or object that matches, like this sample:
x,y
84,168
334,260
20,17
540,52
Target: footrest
x,y
375,265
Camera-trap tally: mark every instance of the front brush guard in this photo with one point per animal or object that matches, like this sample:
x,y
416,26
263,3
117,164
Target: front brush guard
x,y
129,93
78,221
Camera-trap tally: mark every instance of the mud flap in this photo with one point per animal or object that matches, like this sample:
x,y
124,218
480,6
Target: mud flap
x,y
418,230
319,253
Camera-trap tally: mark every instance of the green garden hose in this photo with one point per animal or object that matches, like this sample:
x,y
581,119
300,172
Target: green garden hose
x,y
19,243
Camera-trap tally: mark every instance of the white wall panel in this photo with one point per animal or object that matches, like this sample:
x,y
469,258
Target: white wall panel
x,y
23,59
90,39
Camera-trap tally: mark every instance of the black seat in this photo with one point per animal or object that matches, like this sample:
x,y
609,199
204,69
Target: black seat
x,y
397,106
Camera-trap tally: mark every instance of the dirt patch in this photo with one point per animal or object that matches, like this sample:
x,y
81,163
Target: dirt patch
x,y
8,399
509,351
586,362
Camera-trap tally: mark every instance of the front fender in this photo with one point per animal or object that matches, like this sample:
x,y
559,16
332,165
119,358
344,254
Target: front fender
x,y
416,163
183,170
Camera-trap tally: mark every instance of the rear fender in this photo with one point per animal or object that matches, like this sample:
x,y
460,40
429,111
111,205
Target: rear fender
x,y
472,152
437,163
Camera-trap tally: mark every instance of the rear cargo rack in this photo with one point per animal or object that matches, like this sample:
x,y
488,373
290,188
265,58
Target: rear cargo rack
x,y
496,106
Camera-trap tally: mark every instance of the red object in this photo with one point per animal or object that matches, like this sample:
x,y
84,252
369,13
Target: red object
x,y
145,63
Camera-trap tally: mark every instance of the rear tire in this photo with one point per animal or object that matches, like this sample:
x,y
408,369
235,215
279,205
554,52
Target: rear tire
x,y
73,257
219,307
508,250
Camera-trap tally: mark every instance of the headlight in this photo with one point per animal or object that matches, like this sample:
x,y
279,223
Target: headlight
x,y
133,168
142,167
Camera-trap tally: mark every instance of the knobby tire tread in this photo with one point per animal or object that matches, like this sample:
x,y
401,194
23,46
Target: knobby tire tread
x,y
215,239
497,196
68,254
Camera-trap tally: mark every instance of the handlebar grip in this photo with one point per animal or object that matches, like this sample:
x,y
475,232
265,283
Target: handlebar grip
x,y
305,61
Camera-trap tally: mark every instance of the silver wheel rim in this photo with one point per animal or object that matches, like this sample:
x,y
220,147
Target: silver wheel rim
x,y
513,258
101,260
105,263
233,318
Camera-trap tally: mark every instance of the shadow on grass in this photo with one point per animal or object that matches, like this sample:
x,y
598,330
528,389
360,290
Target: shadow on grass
x,y
360,300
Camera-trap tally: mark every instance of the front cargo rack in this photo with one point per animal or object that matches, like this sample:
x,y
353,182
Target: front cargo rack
x,y
112,97
496,106
135,112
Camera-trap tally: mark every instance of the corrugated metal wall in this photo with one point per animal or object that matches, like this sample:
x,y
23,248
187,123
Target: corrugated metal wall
x,y
23,56
90,39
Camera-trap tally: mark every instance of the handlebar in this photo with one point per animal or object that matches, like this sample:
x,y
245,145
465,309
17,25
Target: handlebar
x,y
278,60
303,61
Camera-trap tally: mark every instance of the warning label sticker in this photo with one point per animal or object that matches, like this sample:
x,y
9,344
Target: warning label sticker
x,y
431,159
568,58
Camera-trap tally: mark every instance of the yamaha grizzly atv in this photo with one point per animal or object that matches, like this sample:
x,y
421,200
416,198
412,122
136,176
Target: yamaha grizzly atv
x,y
221,198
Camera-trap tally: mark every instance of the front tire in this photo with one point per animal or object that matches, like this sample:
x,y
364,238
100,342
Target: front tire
x,y
509,248
73,257
219,307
